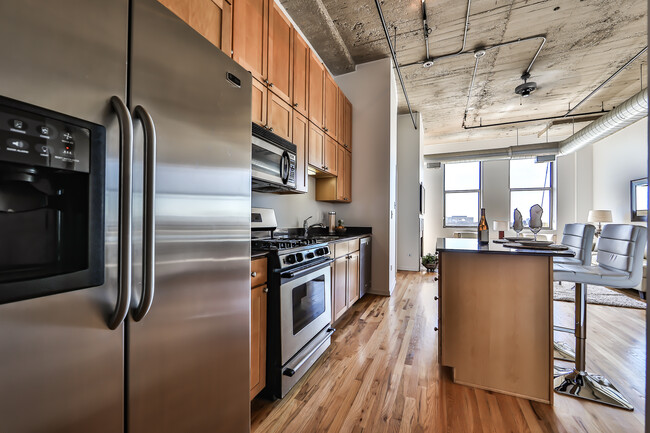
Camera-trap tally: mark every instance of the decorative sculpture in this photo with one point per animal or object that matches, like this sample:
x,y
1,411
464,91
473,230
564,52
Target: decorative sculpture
x,y
518,224
535,223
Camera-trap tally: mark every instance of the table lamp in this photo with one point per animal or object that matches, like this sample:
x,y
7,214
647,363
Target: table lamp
x,y
501,227
599,216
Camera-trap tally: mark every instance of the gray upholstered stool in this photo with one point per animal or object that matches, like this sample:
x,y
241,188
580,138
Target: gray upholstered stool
x,y
620,265
580,239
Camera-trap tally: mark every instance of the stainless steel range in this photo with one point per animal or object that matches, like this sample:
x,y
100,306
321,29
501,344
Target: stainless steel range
x,y
299,302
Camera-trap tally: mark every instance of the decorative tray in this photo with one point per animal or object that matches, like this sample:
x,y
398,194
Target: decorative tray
x,y
536,247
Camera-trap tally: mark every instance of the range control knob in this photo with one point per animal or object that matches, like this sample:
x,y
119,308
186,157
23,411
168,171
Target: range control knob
x,y
320,252
309,255
291,259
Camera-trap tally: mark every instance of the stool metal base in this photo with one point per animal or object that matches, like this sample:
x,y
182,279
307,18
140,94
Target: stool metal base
x,y
590,387
563,351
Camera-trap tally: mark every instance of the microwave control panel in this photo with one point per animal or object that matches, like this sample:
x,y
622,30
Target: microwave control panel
x,y
38,137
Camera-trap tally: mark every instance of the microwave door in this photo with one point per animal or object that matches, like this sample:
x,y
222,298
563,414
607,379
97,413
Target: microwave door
x,y
267,162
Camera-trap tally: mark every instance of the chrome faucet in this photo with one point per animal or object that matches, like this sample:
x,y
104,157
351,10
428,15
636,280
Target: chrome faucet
x,y
306,228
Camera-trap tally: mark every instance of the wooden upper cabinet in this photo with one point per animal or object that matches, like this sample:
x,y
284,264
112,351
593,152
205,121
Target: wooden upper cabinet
x,y
301,54
280,54
347,176
260,95
329,155
340,118
347,125
316,145
331,106
279,117
250,36
316,90
300,139
211,18
340,162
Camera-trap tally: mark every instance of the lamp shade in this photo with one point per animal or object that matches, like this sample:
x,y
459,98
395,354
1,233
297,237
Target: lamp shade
x,y
499,226
600,216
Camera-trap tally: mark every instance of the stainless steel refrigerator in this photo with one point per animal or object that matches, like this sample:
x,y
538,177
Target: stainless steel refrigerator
x,y
177,227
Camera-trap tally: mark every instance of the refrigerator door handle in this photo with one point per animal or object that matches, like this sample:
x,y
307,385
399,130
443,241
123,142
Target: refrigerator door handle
x,y
126,200
149,241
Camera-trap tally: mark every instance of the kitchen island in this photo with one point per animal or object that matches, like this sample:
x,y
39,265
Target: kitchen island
x,y
496,317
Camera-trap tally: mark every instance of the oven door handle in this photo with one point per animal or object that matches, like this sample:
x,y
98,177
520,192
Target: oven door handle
x,y
305,270
291,371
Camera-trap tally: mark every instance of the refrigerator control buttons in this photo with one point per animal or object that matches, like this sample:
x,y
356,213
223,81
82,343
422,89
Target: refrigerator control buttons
x,y
17,125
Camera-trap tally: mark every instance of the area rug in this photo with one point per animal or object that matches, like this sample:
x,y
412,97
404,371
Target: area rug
x,y
596,295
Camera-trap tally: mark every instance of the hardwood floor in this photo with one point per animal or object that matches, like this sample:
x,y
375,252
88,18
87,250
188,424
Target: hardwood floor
x,y
381,374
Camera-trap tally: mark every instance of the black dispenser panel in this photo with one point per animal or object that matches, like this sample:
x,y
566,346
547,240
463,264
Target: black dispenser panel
x,y
51,202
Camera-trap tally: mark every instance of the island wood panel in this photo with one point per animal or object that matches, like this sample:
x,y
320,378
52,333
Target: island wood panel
x,y
300,139
301,56
497,322
250,36
316,90
280,55
259,100
279,116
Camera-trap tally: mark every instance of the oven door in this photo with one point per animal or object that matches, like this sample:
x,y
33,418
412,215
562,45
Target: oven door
x,y
273,164
305,308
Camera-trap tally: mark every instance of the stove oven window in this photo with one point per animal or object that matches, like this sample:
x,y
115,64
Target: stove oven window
x,y
308,303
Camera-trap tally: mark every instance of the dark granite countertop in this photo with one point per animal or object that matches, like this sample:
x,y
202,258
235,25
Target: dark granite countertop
x,y
257,254
472,246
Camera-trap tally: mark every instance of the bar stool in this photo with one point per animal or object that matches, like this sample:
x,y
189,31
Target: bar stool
x,y
620,265
579,238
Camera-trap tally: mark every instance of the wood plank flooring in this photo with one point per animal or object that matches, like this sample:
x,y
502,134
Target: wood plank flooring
x,y
381,374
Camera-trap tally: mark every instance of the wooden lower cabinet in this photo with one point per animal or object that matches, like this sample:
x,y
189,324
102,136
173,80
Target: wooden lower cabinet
x,y
345,277
258,327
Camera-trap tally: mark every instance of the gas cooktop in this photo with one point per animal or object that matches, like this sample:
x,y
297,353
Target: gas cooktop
x,y
278,244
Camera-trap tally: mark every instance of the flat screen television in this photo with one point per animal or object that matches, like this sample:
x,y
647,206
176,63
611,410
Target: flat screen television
x,y
639,199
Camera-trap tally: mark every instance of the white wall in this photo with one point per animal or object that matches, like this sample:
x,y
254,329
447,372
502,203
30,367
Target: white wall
x,y
595,177
409,169
618,159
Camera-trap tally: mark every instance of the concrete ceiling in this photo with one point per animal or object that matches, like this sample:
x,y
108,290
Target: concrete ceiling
x,y
587,41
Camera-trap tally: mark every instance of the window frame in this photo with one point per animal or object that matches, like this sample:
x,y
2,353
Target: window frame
x,y
445,191
551,197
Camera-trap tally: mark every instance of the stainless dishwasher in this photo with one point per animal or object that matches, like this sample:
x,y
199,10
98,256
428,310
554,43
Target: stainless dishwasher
x,y
365,258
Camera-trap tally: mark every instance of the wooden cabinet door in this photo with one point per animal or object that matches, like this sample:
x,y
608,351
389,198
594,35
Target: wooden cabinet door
x,y
329,155
353,277
347,176
347,122
260,95
300,138
340,183
280,54
339,286
211,18
331,106
300,74
340,119
316,90
316,145
279,116
250,36
258,340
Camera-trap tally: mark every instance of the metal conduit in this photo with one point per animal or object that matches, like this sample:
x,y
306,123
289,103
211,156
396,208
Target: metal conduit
x,y
629,112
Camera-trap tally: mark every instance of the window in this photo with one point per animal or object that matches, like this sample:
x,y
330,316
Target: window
x,y
462,185
530,184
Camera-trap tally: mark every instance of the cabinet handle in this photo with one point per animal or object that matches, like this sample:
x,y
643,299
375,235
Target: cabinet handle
x,y
271,129
266,290
325,129
270,84
435,297
435,329
295,105
435,278
253,274
266,81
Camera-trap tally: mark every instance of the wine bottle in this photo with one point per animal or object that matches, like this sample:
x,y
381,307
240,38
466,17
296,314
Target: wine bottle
x,y
483,229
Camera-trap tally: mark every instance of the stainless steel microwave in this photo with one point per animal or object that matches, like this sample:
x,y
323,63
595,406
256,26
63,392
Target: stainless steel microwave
x,y
273,162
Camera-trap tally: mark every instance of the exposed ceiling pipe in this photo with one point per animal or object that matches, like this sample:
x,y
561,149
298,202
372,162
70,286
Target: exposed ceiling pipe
x,y
629,112
392,53
426,30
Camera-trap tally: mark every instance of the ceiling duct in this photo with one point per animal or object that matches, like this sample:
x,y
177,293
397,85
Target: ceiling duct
x,y
624,115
